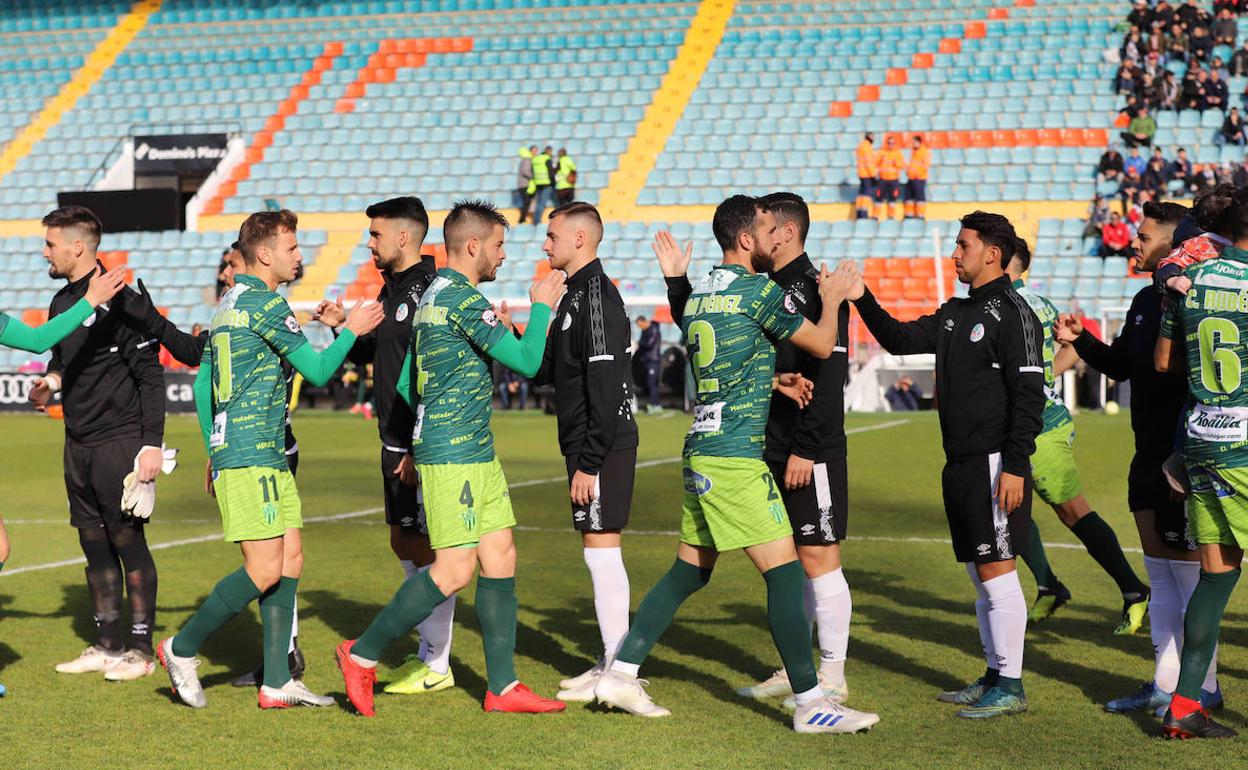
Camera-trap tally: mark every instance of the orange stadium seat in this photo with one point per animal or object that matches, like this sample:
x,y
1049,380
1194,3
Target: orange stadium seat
x,y
873,267
1026,137
950,45
1004,137
896,268
922,61
922,267
868,93
841,110
998,13
975,30
896,76
888,288
111,259
663,314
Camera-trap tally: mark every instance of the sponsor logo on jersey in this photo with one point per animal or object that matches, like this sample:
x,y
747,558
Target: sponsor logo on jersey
x,y
808,529
400,315
292,324
489,318
977,332
696,483
948,324
1139,319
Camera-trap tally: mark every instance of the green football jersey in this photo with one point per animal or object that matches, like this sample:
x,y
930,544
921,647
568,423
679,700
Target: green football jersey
x,y
252,329
1055,412
453,386
731,324
1211,323
4,320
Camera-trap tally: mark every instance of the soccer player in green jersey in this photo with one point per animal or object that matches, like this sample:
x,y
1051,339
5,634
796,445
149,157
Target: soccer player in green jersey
x,y
467,505
1057,479
1208,331
731,322
240,395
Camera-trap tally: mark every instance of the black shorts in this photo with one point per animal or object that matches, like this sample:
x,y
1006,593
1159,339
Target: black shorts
x,y
405,506
866,186
94,477
819,511
1147,490
609,510
916,190
981,531
888,190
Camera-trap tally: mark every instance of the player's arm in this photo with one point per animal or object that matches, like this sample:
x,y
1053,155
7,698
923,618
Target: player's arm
x,y
523,355
674,264
816,422
40,339
1064,359
897,337
141,355
819,339
545,374
404,384
605,362
281,331
202,390
139,312
1168,356
332,314
1111,360
1022,368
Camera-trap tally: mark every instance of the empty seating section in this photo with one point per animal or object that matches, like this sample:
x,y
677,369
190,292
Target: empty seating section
x,y
758,122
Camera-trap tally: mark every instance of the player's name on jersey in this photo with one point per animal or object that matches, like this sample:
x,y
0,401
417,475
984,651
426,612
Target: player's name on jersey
x,y
240,319
715,303
1203,297
432,315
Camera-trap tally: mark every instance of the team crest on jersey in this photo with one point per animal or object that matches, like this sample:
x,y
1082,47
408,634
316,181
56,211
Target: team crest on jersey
x,y
993,308
489,318
1139,320
567,322
948,324
400,315
89,321
977,332
292,324
696,483
789,304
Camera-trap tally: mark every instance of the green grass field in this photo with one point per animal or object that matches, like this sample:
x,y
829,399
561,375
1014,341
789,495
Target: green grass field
x,y
913,629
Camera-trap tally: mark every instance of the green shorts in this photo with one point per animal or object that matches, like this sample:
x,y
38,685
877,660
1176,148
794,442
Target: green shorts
x,y
731,502
464,502
1053,465
1217,508
257,503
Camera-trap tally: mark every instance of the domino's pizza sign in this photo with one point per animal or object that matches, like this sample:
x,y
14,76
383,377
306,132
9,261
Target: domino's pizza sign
x,y
178,154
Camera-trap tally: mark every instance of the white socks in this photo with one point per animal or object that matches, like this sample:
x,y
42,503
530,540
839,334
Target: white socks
x,y
1187,575
435,634
294,626
832,606
611,596
1006,621
627,669
815,693
1165,622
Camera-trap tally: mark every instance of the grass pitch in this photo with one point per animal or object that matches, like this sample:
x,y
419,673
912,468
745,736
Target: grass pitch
x,y
913,629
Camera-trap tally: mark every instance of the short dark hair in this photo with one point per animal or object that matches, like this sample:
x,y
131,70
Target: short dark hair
x,y
1168,213
470,218
408,207
79,217
579,208
788,207
1022,253
993,230
235,246
262,227
733,217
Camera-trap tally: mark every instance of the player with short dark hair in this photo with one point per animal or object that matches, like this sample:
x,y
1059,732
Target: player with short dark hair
x,y
990,377
240,398
587,362
732,320
1056,479
1206,330
113,394
396,230
467,504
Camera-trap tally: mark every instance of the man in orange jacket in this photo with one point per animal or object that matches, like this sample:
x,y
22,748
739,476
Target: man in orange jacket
x,y
868,168
916,179
892,161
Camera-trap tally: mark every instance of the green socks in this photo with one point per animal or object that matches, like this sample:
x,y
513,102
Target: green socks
x,y
277,612
1201,626
496,612
411,604
659,607
1102,544
228,598
790,630
1037,561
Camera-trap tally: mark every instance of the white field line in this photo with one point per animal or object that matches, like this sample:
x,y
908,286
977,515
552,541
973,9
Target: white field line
x,y
370,511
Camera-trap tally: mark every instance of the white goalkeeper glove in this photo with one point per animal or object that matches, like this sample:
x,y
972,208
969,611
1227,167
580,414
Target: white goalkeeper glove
x,y
138,498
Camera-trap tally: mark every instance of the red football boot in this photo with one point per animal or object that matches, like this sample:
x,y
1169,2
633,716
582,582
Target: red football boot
x,y
521,700
359,680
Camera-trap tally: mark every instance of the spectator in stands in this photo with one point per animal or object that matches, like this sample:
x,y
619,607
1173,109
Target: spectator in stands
x,y
1176,43
1232,130
903,395
1115,237
1201,44
1135,162
892,163
524,181
1132,45
1205,178
1151,92
1225,29
1098,217
1170,91
1239,175
1216,93
1224,173
1223,73
1141,16
1111,165
1155,179
225,273
1130,106
1181,170
1124,82
868,162
1152,62
1130,187
1141,130
1188,14
1194,89
1163,15
565,178
511,386
1239,61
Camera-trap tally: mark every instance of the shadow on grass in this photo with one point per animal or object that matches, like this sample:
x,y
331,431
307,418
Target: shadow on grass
x,y
8,656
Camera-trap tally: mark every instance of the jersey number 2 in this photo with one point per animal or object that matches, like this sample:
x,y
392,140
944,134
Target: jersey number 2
x,y
702,344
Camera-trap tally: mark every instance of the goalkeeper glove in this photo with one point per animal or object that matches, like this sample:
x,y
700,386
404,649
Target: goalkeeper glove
x,y
138,498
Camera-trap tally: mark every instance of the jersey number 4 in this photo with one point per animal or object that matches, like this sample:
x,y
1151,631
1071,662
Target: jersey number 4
x,y
702,348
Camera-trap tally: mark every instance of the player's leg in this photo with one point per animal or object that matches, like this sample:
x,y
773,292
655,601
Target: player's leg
x,y
130,545
601,523
4,556
1052,479
1102,545
920,198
